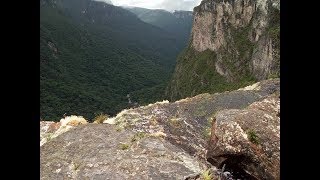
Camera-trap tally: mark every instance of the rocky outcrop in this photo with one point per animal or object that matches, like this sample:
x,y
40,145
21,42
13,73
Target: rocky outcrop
x,y
160,141
187,122
50,129
248,139
98,151
215,28
243,38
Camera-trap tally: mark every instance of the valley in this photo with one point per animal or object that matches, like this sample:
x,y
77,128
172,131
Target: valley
x,y
135,93
93,54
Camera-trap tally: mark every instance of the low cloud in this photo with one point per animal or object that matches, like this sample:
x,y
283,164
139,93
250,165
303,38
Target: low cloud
x,y
179,4
169,5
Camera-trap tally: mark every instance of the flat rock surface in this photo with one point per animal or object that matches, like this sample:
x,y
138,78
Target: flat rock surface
x,y
101,151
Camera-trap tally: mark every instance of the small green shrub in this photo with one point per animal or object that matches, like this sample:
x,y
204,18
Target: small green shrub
x,y
175,122
119,129
124,146
207,130
76,166
138,136
49,137
253,137
273,76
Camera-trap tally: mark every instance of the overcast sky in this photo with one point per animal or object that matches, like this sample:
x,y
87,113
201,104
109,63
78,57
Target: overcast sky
x,y
169,5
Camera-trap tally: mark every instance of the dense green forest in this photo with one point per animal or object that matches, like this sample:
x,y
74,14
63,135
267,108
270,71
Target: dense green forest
x,y
93,54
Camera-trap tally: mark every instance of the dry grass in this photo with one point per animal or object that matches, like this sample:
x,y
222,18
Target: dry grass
x,y
206,175
158,134
100,118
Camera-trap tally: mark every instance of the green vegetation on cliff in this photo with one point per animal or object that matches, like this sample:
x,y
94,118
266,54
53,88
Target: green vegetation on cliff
x,y
195,74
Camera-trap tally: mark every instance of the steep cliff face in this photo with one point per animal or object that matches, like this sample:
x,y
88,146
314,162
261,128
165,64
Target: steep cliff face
x,y
233,42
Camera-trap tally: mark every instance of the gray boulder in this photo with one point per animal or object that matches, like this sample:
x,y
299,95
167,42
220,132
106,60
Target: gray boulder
x,y
248,139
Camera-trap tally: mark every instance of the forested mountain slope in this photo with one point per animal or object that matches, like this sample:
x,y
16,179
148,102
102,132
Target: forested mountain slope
x,y
93,54
179,23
